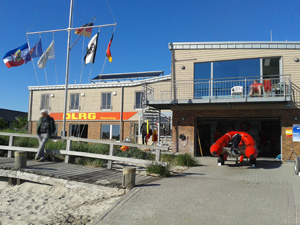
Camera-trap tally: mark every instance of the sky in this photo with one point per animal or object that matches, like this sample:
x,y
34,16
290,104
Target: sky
x,y
144,29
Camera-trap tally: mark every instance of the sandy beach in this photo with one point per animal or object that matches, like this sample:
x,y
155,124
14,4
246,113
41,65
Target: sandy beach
x,y
31,203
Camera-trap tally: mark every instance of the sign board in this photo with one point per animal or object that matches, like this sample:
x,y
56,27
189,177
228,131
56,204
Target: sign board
x,y
90,116
289,132
296,132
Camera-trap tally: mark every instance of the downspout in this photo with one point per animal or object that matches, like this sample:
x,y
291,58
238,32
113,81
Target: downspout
x,y
121,114
29,118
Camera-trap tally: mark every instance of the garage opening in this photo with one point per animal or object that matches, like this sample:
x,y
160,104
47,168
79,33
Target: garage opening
x,y
265,131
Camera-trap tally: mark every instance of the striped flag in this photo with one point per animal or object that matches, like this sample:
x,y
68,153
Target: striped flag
x,y
85,32
108,53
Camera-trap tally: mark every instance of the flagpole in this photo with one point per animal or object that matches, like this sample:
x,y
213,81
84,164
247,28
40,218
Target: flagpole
x,y
67,68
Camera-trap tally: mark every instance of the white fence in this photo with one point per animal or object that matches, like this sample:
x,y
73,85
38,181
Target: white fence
x,y
68,152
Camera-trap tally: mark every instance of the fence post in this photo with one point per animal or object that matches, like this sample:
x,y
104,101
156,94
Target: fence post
x,y
10,144
111,153
157,155
67,157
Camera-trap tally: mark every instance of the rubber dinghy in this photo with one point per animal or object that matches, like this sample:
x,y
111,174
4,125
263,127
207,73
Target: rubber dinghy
x,y
235,144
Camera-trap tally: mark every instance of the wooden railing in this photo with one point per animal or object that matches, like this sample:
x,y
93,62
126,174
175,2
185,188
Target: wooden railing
x,y
68,151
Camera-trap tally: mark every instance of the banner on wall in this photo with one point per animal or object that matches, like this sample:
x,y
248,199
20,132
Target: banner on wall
x,y
296,132
289,132
93,116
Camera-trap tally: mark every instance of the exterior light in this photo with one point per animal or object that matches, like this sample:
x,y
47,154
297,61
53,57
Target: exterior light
x,y
296,118
296,59
183,67
82,94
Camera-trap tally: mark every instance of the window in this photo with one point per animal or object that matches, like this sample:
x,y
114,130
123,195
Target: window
x,y
74,102
79,130
45,102
110,131
236,68
139,97
106,101
202,75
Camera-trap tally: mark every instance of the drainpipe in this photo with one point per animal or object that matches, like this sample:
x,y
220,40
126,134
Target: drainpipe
x,y
121,113
29,113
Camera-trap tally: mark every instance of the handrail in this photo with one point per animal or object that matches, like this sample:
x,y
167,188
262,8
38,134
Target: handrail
x,y
68,152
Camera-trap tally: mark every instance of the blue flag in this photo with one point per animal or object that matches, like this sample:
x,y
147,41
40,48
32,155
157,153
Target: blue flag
x,y
34,52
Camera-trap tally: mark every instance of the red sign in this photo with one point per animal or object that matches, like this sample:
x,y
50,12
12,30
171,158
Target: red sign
x,y
93,115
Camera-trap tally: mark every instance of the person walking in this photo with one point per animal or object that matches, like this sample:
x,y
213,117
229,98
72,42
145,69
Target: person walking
x,y
144,133
45,128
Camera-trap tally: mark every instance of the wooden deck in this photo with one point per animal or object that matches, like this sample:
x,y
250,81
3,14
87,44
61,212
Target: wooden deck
x,y
53,173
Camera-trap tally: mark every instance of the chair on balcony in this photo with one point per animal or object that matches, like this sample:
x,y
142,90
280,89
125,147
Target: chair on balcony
x,y
237,90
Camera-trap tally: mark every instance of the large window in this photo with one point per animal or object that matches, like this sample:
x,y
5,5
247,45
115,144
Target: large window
x,y
236,68
45,102
106,101
79,130
110,131
74,102
139,96
202,75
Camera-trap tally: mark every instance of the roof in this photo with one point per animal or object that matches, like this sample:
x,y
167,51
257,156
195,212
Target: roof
x,y
103,84
235,45
10,115
134,75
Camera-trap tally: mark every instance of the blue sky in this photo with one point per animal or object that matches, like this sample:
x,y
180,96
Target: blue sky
x,y
145,27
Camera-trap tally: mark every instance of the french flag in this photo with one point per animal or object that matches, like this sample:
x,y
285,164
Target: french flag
x,y
16,56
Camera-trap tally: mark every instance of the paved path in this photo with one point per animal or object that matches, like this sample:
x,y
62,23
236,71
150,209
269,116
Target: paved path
x,y
208,194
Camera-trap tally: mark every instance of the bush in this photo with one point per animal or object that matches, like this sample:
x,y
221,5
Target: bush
x,y
134,152
185,160
159,169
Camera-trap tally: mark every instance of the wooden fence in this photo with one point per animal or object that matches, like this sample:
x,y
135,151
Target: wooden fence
x,y
68,151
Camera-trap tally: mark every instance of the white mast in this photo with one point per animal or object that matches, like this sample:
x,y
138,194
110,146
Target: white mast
x,y
67,68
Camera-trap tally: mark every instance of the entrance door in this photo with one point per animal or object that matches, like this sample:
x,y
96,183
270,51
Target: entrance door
x,y
134,132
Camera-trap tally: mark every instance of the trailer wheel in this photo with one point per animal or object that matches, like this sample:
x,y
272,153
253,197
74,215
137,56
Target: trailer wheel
x,y
297,165
253,163
221,160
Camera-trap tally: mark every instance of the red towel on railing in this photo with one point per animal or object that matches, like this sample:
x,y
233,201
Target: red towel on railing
x,y
267,85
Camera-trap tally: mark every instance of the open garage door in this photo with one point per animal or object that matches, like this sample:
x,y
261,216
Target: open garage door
x,y
265,131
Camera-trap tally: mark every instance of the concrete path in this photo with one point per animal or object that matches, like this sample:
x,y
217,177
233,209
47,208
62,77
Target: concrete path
x,y
208,194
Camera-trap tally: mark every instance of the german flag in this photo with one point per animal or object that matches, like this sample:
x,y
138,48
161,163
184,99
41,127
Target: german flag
x,y
85,32
108,53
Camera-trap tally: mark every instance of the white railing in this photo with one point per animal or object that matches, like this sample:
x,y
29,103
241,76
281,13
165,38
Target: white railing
x,y
227,88
68,151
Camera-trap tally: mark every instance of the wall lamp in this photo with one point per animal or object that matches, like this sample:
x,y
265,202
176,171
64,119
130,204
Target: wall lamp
x,y
296,59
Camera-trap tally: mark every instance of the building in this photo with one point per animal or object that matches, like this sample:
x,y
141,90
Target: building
x,y
210,93
111,107
10,115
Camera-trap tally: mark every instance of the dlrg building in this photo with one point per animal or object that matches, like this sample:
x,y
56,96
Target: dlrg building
x,y
111,107
209,94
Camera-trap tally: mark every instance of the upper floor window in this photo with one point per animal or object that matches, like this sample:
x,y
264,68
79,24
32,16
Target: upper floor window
x,y
74,101
139,97
106,101
45,102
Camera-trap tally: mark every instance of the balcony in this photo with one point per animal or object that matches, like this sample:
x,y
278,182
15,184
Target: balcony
x,y
227,90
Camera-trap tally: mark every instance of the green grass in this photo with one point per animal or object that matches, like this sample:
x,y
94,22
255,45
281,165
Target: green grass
x,y
160,170
185,160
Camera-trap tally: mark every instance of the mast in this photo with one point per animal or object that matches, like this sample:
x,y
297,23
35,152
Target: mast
x,y
67,68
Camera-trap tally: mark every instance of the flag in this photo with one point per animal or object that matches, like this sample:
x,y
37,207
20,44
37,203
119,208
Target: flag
x,y
48,54
15,57
91,50
85,32
108,53
36,51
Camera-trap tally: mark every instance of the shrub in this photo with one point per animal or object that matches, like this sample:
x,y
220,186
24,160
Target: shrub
x,y
134,152
185,160
159,169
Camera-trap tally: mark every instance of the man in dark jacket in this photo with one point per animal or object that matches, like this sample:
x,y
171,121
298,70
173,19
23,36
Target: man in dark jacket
x,y
144,133
44,129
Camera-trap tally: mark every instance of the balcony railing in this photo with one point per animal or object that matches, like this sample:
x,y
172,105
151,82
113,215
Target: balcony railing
x,y
252,89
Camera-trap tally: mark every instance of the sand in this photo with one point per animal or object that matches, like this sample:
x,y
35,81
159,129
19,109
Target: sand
x,y
31,203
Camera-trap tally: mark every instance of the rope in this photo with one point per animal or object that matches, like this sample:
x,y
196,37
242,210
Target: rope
x,y
36,76
56,77
112,15
82,61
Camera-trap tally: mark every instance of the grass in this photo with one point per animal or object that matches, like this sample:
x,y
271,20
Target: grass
x,y
185,160
160,170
